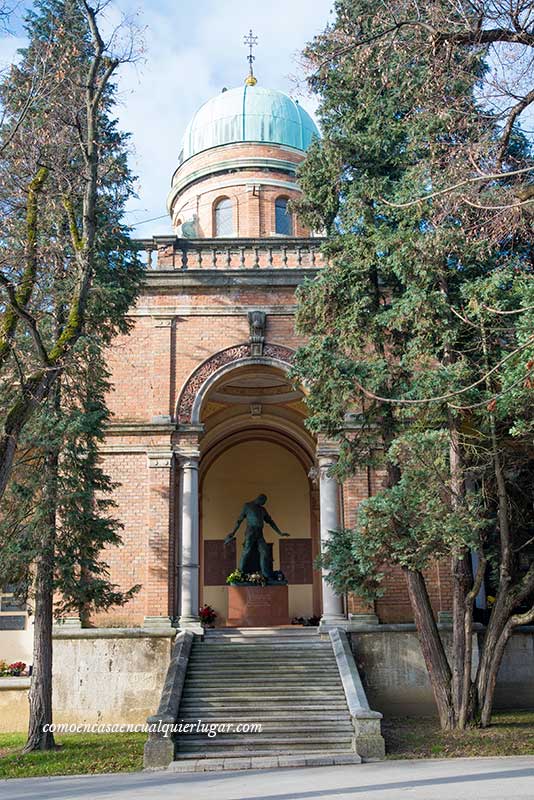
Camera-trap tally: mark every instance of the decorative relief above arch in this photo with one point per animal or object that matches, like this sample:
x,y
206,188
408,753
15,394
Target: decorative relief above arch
x,y
221,359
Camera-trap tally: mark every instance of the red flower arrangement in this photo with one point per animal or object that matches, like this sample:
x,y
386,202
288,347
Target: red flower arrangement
x,y
207,615
14,670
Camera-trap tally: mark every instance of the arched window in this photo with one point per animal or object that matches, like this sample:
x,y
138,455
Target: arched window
x,y
224,223
283,221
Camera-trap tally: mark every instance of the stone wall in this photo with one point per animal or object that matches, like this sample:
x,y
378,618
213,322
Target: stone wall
x,y
117,675
109,675
395,679
101,675
14,704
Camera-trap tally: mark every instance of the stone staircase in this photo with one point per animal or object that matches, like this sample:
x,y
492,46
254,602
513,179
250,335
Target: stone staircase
x,y
285,680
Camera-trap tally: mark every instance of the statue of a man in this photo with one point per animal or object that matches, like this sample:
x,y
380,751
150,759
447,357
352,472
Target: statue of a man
x,y
255,547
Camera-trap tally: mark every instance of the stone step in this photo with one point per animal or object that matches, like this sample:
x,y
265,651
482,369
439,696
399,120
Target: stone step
x,y
262,664
282,687
274,631
293,632
319,680
276,667
279,693
256,706
275,644
280,641
216,678
313,717
258,642
269,726
250,652
289,650
258,742
234,760
272,656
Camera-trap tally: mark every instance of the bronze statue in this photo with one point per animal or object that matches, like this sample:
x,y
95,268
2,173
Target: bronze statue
x,y
256,552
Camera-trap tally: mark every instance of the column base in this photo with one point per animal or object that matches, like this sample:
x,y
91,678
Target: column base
x,y
159,623
330,621
192,624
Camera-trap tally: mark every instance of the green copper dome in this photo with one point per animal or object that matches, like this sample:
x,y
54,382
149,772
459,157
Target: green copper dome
x,y
249,114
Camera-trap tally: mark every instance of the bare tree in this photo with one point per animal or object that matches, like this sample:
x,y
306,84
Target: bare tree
x,y
62,164
50,138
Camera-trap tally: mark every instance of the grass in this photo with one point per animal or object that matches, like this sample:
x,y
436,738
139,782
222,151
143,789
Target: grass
x,y
79,754
511,734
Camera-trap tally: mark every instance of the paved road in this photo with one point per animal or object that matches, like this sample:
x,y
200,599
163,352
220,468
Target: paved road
x,y
451,779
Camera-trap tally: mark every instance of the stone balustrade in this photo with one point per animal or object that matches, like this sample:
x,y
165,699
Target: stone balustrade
x,y
171,253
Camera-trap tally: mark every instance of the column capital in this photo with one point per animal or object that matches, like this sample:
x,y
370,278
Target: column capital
x,y
326,459
188,459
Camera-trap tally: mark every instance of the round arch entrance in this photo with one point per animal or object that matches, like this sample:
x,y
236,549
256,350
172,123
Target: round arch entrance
x,y
255,443
245,424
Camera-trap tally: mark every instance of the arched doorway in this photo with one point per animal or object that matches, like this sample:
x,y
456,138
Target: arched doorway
x,y
255,442
243,432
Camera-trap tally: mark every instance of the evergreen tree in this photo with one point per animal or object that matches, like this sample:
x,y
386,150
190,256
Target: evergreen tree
x,y
420,325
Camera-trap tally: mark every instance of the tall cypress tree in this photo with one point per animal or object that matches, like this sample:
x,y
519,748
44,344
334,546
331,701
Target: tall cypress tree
x,y
413,326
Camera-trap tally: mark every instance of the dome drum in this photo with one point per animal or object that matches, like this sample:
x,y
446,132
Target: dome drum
x,y
242,147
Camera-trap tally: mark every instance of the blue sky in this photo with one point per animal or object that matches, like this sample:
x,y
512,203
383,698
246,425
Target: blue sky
x,y
192,50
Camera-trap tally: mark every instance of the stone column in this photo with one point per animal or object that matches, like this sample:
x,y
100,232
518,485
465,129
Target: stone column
x,y
189,561
330,519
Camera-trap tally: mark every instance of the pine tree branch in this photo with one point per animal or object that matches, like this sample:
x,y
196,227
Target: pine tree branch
x,y
459,185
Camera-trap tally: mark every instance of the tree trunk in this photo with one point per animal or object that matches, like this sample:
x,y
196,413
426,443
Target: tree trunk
x,y
436,661
40,695
495,639
462,581
461,637
491,673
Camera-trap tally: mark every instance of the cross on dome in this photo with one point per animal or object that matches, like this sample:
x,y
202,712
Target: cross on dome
x,y
251,41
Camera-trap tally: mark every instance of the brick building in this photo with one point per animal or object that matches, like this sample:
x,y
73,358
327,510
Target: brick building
x,y
205,416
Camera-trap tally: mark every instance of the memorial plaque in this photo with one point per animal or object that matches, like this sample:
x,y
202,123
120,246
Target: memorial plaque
x,y
219,561
257,606
296,560
11,603
12,622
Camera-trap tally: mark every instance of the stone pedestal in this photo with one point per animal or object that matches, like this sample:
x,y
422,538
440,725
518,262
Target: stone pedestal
x,y
257,606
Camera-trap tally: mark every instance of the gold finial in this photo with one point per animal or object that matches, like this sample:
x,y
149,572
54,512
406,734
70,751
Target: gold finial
x,y
251,41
